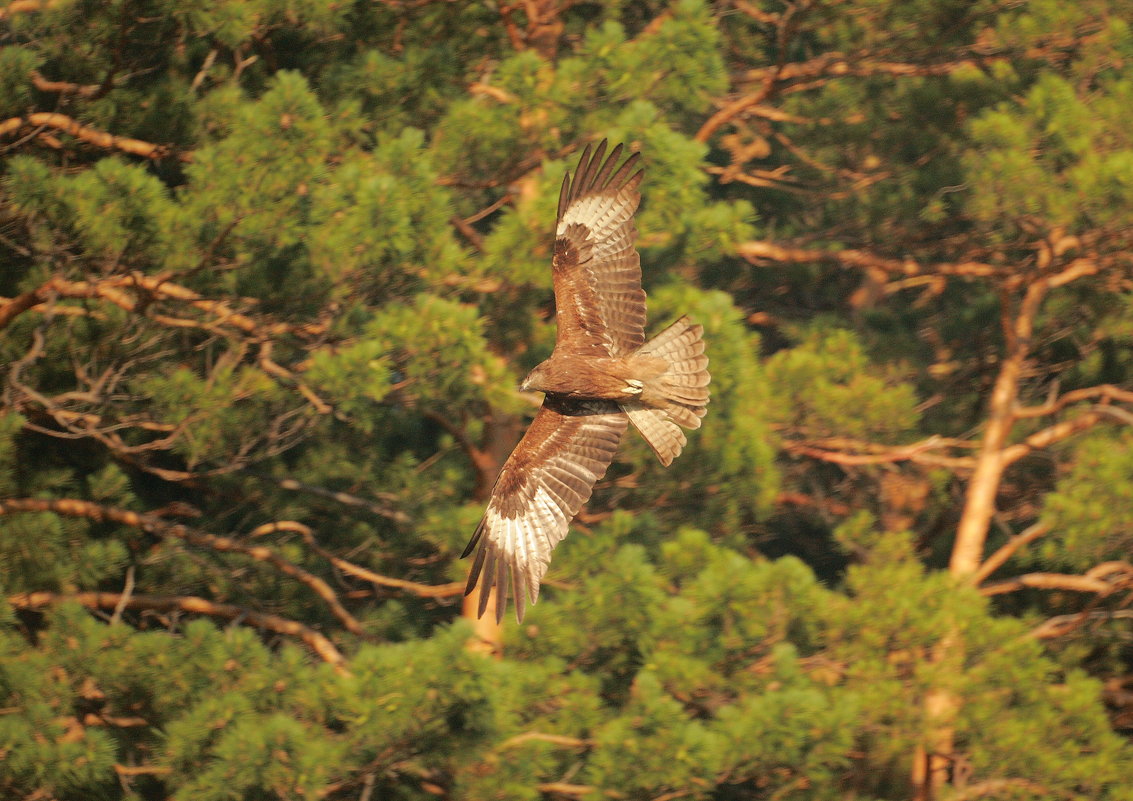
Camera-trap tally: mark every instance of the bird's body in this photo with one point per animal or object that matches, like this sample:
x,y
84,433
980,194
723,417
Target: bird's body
x,y
604,378
601,376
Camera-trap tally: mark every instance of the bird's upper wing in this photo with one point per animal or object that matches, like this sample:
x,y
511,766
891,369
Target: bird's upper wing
x,y
599,301
540,489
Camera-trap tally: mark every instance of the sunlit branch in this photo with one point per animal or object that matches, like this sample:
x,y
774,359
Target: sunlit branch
x,y
63,87
421,590
1008,549
543,737
1053,434
337,496
992,460
24,7
1061,625
1101,580
92,136
142,770
70,507
273,369
856,453
319,644
761,251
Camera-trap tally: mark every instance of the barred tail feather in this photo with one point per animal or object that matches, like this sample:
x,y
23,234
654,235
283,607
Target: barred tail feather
x,y
663,435
678,396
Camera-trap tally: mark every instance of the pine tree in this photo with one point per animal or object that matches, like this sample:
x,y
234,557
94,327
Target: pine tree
x,y
272,272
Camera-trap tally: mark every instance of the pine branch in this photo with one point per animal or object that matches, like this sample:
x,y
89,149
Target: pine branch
x,y
63,87
565,788
1104,392
856,453
543,737
761,251
128,771
16,306
1061,625
135,291
69,507
92,136
318,643
1101,580
1000,788
1053,434
991,461
786,77
344,498
421,590
1008,549
274,369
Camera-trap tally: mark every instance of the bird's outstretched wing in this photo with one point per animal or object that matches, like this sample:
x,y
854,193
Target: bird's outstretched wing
x,y
599,301
540,489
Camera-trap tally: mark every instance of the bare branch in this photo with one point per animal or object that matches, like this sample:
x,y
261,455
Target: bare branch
x,y
1008,549
70,507
92,136
134,291
838,65
995,788
319,644
848,452
784,77
273,369
565,788
1048,581
1102,580
467,231
345,498
142,770
1107,392
993,458
505,198
24,7
1049,436
1061,625
761,251
16,306
63,87
421,590
735,108
542,737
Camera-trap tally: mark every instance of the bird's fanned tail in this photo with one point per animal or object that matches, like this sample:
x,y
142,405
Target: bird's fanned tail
x,y
678,396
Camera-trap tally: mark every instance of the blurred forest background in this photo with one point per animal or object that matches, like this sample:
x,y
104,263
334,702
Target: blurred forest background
x,y
272,271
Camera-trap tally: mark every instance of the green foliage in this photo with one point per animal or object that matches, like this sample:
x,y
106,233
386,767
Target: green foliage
x,y
1060,156
827,387
1091,508
15,92
713,696
290,341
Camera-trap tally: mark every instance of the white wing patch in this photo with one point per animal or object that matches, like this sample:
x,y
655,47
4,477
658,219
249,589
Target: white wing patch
x,y
606,217
526,542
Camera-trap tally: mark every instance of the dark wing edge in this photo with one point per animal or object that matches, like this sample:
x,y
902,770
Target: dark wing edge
x,y
589,179
546,480
597,267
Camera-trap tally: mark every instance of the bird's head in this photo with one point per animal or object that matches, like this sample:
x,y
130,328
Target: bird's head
x,y
536,380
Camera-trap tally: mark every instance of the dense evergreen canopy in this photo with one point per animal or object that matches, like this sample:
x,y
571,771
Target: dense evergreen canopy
x,y
272,271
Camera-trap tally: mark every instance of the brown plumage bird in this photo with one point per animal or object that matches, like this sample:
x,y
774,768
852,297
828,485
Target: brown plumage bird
x,y
601,374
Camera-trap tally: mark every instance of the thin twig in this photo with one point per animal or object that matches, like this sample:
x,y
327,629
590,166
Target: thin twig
x,y
127,591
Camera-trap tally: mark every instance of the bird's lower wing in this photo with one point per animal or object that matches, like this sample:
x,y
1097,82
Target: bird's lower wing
x,y
542,485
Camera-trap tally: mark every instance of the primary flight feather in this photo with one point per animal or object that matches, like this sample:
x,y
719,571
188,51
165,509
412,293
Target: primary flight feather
x,y
601,375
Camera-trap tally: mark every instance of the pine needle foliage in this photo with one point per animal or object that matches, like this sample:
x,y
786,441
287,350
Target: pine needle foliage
x,y
271,272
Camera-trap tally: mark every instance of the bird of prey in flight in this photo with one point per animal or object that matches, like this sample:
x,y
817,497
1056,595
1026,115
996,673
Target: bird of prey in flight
x,y
601,375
